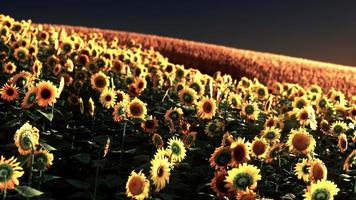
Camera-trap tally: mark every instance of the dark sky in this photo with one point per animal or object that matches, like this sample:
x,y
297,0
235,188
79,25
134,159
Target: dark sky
x,y
321,30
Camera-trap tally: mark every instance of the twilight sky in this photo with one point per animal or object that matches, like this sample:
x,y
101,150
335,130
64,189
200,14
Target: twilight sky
x,y
323,30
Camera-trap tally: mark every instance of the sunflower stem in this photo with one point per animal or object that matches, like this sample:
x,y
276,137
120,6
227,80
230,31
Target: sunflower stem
x,y
122,146
96,177
5,189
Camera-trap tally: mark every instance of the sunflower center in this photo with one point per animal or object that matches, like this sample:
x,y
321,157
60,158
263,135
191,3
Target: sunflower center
x,y
304,116
261,92
135,110
6,172
322,103
46,93
41,161
301,142
149,124
21,81
21,54
136,186
140,85
239,153
100,82
108,98
338,129
223,158
321,194
259,147
353,112
300,104
220,183
26,141
318,172
174,115
270,135
207,107
249,109
195,87
343,143
305,169
187,97
242,181
160,171
10,92
31,98
175,149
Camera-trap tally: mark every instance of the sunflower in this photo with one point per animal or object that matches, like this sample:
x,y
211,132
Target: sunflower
x,y
177,148
160,172
337,97
150,126
136,109
322,104
9,92
272,121
218,184
259,147
26,138
163,153
306,116
321,190
342,142
46,93
317,171
43,159
121,96
137,186
189,139
187,96
300,102
302,170
21,54
235,100
300,141
29,99
157,141
140,84
227,139
173,114
206,108
350,161
10,172
242,178
197,86
240,151
250,110
261,91
99,81
246,195
338,127
221,158
9,68
36,68
21,79
107,98
271,134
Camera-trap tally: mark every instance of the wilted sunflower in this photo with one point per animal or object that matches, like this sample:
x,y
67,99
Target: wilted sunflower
x,y
342,142
300,141
9,68
99,81
29,99
240,151
108,98
137,186
250,110
119,112
338,127
317,171
10,172
136,109
177,148
271,134
206,108
259,147
160,172
173,114
9,92
350,161
187,96
242,178
221,158
218,183
321,190
157,141
46,93
150,125
302,170
43,159
246,195
26,138
189,139
273,152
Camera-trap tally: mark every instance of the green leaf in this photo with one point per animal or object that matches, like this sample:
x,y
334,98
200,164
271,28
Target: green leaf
x,y
82,157
27,191
78,184
47,146
49,116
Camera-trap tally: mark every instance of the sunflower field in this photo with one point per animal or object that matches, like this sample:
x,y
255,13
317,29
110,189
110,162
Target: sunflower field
x,y
88,117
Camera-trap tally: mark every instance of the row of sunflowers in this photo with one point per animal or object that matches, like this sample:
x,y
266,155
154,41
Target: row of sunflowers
x,y
87,117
